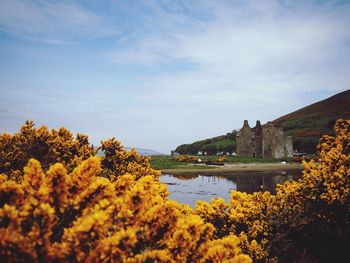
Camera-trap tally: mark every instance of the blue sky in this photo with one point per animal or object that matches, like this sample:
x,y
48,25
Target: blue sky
x,y
157,73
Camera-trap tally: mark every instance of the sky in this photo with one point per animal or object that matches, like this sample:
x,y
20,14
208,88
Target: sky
x,y
156,73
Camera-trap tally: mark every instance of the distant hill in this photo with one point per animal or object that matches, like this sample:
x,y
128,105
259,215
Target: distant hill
x,y
306,126
144,152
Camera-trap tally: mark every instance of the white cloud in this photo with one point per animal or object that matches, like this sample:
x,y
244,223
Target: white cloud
x,y
261,47
185,70
53,22
249,60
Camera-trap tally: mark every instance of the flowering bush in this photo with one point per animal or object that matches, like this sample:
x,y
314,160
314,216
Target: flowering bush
x,y
312,215
221,159
46,146
87,213
186,158
49,147
109,209
307,220
245,215
80,216
118,161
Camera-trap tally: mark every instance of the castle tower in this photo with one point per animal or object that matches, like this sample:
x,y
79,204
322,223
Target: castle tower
x,y
244,141
258,139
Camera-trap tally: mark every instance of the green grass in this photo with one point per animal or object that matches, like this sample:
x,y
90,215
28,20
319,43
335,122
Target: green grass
x,y
224,143
320,124
166,162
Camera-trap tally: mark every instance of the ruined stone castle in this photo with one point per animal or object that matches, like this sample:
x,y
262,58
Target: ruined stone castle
x,y
265,141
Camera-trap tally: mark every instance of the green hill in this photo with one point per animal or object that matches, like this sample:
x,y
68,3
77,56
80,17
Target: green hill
x,y
224,143
306,126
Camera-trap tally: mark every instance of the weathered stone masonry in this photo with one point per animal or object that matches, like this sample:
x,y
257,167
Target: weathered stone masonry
x,y
265,141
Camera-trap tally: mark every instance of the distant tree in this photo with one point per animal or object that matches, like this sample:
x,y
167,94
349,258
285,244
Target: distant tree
x,y
182,149
229,148
210,149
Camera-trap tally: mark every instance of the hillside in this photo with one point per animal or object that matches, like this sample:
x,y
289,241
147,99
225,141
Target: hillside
x,y
306,126
225,143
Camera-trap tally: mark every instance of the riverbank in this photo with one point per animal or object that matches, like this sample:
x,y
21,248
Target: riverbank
x,y
233,168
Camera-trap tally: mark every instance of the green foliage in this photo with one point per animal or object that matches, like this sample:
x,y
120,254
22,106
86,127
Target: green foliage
x,y
225,143
305,144
167,162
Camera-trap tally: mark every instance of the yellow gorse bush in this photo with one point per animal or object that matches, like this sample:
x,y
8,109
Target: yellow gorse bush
x,y
105,209
312,215
245,215
114,209
307,220
186,158
221,159
79,216
46,146
118,161
50,147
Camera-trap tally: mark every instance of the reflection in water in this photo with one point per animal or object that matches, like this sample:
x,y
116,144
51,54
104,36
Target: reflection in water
x,y
254,182
189,189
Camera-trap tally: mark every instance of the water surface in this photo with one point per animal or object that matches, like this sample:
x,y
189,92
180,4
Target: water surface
x,y
188,189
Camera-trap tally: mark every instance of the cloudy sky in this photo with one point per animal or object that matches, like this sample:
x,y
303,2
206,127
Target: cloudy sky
x,y
159,73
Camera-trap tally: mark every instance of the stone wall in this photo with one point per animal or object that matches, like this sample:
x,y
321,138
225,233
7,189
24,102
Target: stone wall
x,y
268,142
273,141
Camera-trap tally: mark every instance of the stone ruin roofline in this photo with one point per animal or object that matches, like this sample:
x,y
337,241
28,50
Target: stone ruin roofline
x,y
268,124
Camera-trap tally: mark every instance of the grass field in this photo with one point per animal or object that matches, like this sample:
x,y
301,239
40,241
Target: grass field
x,y
166,162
